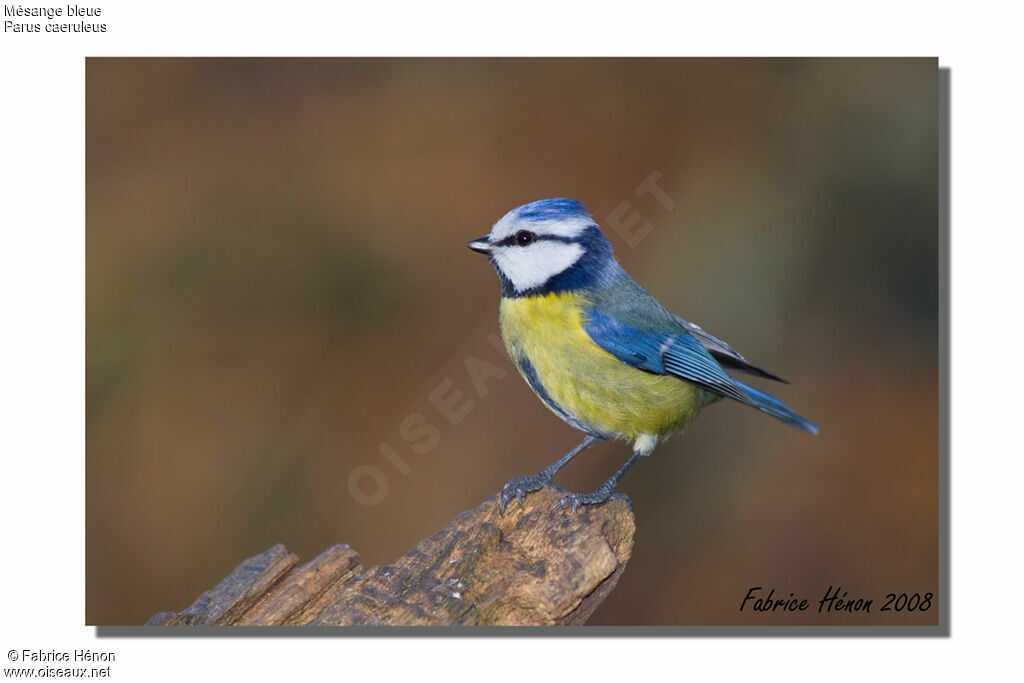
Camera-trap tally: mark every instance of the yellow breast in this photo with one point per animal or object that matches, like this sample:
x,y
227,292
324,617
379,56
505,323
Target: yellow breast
x,y
544,336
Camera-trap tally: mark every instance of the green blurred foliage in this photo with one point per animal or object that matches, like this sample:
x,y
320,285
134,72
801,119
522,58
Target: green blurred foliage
x,y
276,280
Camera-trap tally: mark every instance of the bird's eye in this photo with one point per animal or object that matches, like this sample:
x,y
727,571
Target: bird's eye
x,y
524,237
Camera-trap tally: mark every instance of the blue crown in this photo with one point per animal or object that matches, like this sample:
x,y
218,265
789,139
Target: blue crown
x,y
551,209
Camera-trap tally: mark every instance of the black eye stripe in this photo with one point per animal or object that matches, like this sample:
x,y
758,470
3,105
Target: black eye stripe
x,y
513,239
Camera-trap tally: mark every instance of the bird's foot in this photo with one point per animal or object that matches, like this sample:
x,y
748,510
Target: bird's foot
x,y
520,486
597,497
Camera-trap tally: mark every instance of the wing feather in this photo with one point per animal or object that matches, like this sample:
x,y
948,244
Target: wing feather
x,y
673,354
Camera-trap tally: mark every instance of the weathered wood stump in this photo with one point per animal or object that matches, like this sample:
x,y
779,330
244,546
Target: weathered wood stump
x,y
532,566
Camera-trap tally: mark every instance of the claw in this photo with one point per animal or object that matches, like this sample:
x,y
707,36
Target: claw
x,y
565,501
520,486
596,498
625,498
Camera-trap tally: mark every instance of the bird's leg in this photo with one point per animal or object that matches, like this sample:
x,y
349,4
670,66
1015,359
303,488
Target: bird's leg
x,y
516,488
605,491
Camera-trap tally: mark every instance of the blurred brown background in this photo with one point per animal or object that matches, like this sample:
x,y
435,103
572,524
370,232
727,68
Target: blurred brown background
x,y
277,279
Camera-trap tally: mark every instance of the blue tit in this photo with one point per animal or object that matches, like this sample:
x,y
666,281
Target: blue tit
x,y
598,349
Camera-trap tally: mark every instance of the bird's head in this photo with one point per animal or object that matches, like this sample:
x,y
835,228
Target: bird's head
x,y
548,245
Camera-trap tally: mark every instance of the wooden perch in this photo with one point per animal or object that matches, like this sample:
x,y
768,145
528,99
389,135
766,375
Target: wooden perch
x,y
532,566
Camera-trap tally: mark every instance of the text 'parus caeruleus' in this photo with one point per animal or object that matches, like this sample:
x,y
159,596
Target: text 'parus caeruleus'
x,y
597,348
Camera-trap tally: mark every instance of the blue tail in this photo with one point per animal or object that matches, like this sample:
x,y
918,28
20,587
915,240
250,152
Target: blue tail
x,y
775,408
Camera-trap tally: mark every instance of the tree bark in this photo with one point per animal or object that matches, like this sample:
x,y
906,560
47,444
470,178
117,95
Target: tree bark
x,y
532,566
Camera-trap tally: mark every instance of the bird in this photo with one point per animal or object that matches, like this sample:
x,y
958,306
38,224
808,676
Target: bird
x,y
598,349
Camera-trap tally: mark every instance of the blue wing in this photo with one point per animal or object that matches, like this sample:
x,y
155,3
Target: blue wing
x,y
678,353
663,354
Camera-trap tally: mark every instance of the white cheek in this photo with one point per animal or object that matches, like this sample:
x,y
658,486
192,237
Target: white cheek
x,y
532,266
